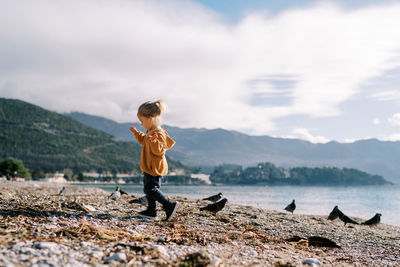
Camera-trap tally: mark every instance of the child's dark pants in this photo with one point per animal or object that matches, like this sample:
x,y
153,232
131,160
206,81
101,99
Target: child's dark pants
x,y
152,191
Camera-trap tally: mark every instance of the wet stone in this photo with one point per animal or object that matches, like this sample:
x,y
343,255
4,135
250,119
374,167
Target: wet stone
x,y
311,262
116,257
45,245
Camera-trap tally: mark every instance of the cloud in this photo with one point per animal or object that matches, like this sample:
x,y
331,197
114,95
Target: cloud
x,y
393,138
107,57
351,140
390,95
394,120
303,133
376,121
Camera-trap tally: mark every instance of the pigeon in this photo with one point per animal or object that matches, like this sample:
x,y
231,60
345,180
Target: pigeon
x,y
346,219
215,207
121,191
61,194
62,191
337,213
291,207
140,200
116,194
334,213
374,221
214,198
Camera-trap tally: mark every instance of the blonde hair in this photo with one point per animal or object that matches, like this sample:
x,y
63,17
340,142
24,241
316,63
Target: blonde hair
x,y
153,110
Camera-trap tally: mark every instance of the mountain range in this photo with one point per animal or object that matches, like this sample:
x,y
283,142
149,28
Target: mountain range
x,y
49,141
207,148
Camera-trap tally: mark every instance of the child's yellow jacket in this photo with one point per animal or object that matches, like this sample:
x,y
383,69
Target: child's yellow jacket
x,y
152,158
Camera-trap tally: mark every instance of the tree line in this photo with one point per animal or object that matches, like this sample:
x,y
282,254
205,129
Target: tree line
x,y
268,173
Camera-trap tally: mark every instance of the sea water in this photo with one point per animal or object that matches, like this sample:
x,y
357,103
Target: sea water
x,y
362,202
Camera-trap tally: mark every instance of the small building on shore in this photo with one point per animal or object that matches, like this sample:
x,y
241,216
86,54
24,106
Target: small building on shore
x,y
202,177
55,178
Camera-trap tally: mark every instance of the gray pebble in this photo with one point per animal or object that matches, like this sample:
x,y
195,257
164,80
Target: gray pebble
x,y
98,254
162,250
120,256
311,262
86,244
45,245
132,232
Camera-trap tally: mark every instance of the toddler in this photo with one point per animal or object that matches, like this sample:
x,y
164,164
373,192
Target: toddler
x,y
155,142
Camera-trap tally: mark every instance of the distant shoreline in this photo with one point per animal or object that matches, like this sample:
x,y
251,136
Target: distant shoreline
x,y
219,184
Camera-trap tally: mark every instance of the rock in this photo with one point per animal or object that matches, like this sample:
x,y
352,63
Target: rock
x,y
97,254
252,252
199,258
6,262
132,232
120,256
215,261
86,244
311,262
141,227
73,263
89,207
163,252
45,245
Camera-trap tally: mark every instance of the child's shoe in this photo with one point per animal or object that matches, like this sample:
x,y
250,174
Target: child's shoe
x,y
150,214
170,210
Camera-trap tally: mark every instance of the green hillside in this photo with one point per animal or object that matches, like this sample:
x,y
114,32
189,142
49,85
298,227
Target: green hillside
x,y
50,141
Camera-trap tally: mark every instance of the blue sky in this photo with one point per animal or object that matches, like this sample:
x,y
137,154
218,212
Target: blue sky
x,y
234,10
315,70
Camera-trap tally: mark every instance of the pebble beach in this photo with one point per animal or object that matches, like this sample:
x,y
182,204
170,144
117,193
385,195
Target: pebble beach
x,y
88,228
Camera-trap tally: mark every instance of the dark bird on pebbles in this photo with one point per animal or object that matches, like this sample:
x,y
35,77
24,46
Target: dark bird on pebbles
x,y
116,194
346,219
291,207
121,191
61,194
62,191
337,213
215,207
334,214
214,198
374,221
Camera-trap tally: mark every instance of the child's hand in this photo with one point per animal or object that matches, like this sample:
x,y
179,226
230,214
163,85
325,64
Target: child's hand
x,y
133,129
153,137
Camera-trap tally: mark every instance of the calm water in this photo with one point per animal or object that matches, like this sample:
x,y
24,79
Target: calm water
x,y
362,202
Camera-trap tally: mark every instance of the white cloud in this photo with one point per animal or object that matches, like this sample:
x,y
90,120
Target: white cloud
x,y
393,138
107,57
390,95
352,140
376,121
394,119
303,133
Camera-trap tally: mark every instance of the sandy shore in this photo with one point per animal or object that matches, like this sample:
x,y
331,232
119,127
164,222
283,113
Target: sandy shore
x,y
87,228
